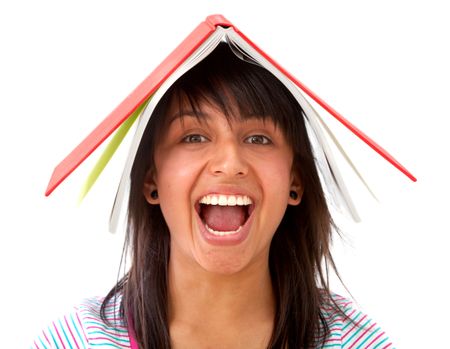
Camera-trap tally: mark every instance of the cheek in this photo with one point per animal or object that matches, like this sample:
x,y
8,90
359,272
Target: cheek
x,y
277,174
176,176
175,170
276,187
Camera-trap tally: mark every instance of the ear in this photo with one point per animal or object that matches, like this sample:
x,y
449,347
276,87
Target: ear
x,y
150,189
296,190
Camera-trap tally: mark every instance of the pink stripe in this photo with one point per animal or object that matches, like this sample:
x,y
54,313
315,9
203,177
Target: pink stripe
x,y
111,311
387,346
351,313
361,336
70,330
35,344
60,339
351,329
331,315
330,324
333,307
82,328
132,334
107,339
45,336
375,339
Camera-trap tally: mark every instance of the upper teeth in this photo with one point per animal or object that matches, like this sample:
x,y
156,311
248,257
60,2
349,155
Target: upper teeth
x,y
226,200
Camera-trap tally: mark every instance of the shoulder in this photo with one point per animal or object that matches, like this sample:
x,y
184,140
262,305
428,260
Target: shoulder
x,y
350,327
84,327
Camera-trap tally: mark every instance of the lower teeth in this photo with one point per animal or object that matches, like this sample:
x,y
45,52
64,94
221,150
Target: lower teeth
x,y
222,233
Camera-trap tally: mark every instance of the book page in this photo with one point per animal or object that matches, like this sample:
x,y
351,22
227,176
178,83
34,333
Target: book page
x,y
203,51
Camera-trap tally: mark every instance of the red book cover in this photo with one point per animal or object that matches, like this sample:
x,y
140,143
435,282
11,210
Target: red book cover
x,y
158,76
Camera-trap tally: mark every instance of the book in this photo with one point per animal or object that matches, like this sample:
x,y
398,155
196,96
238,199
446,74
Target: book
x,y
139,105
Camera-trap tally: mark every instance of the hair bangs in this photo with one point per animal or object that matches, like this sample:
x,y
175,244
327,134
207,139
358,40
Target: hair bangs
x,y
238,89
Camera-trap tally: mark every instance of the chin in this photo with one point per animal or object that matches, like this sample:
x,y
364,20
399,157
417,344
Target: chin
x,y
224,270
220,263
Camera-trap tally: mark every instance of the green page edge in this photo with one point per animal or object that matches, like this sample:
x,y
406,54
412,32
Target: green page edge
x,y
109,151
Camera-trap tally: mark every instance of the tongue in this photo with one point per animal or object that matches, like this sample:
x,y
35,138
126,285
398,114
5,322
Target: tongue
x,y
223,218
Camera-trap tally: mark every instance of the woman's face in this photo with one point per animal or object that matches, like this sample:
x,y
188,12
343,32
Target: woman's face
x,y
223,187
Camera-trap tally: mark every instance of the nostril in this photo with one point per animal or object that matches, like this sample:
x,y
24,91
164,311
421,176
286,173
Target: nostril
x,y
238,173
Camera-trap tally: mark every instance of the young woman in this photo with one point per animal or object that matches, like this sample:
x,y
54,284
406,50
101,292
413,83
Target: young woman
x,y
228,227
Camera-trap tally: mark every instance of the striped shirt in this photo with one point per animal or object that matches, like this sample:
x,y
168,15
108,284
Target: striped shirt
x,y
83,328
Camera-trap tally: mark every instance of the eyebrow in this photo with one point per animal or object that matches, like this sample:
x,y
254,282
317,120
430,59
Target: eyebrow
x,y
183,113
203,117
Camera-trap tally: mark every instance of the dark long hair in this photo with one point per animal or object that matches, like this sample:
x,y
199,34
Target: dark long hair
x,y
299,258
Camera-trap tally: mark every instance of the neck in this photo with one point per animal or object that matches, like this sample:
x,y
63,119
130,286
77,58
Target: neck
x,y
197,296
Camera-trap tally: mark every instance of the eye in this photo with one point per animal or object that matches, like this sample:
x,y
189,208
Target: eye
x,y
194,138
258,139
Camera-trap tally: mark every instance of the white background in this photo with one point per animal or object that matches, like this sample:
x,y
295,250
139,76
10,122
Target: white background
x,y
384,65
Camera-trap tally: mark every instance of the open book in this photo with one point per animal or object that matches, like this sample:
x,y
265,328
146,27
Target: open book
x,y
140,104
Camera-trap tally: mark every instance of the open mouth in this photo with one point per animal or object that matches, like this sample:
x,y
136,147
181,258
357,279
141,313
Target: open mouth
x,y
224,215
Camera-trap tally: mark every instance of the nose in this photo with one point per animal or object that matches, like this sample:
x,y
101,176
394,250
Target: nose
x,y
228,159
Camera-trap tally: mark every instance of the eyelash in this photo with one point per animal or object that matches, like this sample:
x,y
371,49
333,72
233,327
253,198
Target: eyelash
x,y
265,140
188,138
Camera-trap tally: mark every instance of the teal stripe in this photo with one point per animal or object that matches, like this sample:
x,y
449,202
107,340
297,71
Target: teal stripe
x,y
367,338
332,318
109,336
333,333
384,340
102,325
43,344
354,319
53,337
332,345
360,328
75,326
65,334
